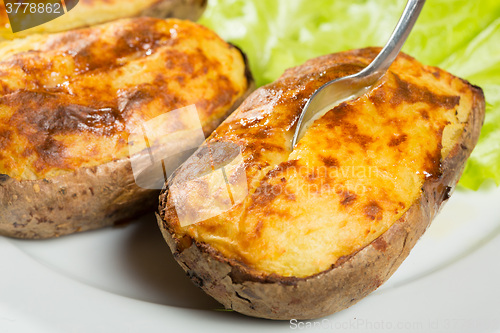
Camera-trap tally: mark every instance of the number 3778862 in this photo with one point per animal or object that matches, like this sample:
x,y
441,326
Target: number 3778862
x,y
33,7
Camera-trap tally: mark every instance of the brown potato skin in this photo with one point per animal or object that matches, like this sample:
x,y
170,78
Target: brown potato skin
x,y
92,12
253,293
91,197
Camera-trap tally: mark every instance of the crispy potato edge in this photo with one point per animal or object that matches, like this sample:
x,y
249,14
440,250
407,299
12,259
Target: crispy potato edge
x,y
87,199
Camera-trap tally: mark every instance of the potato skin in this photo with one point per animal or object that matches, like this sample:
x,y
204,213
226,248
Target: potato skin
x,y
89,198
251,292
92,12
57,200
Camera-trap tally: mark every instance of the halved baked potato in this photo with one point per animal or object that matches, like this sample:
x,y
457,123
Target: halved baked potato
x,y
69,102
86,13
323,225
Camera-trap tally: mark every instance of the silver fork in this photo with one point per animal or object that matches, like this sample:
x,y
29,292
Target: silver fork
x,y
349,87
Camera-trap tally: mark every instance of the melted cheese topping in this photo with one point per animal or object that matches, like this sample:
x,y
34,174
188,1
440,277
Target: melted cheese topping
x,y
356,171
70,100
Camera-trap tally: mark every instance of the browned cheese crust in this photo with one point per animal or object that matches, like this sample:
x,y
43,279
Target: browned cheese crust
x,y
92,12
306,254
69,101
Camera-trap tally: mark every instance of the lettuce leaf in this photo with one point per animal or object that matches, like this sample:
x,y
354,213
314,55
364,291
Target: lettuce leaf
x,y
479,62
460,36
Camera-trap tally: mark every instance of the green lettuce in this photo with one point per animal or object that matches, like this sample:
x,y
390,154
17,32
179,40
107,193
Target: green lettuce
x,y
479,62
461,36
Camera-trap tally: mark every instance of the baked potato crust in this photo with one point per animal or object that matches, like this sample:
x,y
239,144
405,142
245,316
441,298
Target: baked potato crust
x,y
64,154
242,287
92,12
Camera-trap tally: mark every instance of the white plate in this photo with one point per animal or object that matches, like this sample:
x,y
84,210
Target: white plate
x,y
125,280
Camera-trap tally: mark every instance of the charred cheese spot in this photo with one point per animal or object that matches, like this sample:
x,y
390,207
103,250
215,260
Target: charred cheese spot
x,y
70,100
354,173
373,211
397,139
330,162
348,198
412,93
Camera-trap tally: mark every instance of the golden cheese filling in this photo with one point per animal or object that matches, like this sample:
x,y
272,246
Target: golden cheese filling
x,y
70,100
356,171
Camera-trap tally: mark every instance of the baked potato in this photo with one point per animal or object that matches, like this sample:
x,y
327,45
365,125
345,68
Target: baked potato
x,y
323,225
93,12
70,101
